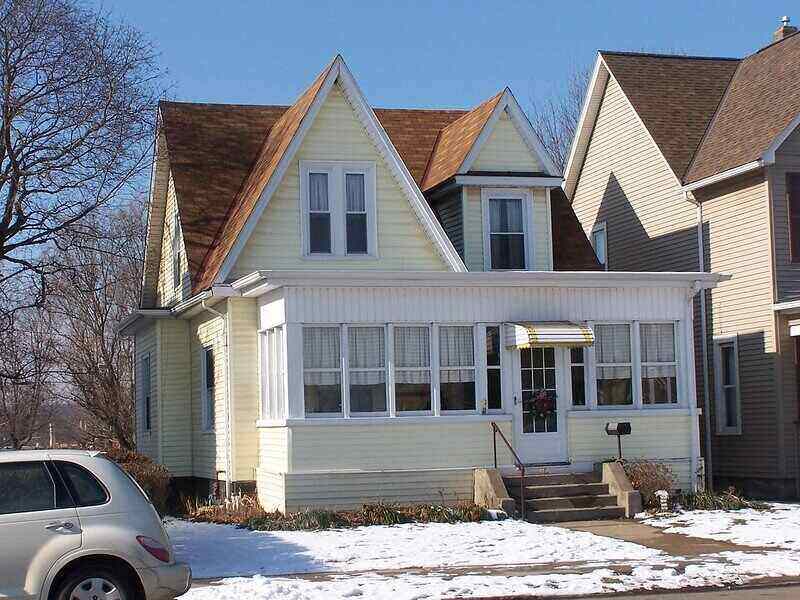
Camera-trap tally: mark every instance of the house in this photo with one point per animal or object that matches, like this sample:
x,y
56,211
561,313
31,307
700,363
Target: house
x,y
686,163
338,302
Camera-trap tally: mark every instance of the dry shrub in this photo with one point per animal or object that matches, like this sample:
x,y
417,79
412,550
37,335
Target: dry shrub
x,y
151,476
648,477
236,511
728,499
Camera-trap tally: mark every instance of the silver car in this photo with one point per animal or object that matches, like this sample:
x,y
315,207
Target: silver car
x,y
75,526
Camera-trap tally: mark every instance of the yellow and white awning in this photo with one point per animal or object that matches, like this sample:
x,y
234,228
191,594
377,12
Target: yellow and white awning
x,y
548,333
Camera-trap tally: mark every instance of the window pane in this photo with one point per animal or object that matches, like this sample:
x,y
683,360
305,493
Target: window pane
x,y
366,347
412,347
728,365
493,346
25,487
576,356
209,371
731,409
321,348
354,189
658,342
457,389
793,191
412,391
367,391
613,343
508,251
578,386
85,487
614,386
599,243
493,389
659,390
319,231
505,215
455,346
323,391
357,233
318,192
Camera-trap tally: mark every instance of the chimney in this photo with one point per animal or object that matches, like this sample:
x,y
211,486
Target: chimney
x,y
784,30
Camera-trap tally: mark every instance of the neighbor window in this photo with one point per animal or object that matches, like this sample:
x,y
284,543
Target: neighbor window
x,y
338,200
146,387
659,364
412,372
366,351
504,219
272,380
494,385
614,368
208,380
600,244
322,374
457,368
728,401
176,252
578,376
793,199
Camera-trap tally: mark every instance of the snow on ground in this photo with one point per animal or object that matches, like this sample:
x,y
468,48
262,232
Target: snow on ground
x,y
225,551
775,528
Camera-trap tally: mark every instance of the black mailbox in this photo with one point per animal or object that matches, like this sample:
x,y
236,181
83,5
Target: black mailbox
x,y
618,429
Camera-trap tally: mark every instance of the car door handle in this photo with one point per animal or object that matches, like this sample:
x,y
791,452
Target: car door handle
x,y
68,525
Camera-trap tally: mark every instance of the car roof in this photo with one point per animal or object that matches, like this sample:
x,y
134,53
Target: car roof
x,y
18,455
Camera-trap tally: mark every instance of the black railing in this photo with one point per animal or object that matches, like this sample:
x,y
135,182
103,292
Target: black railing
x,y
517,463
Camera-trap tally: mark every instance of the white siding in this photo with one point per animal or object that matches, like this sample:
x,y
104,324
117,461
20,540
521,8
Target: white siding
x,y
166,294
245,386
505,150
175,397
337,134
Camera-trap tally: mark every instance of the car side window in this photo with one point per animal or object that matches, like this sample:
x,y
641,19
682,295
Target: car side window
x,y
26,487
84,487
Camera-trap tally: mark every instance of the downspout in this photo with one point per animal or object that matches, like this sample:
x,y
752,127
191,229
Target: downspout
x,y
704,342
228,446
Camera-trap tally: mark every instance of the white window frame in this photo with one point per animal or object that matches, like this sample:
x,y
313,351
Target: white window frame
x,y
273,371
676,363
602,226
481,360
348,369
719,396
488,194
177,278
147,393
341,369
433,368
473,368
634,365
337,206
207,395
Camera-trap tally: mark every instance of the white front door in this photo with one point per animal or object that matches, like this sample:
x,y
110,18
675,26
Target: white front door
x,y
540,435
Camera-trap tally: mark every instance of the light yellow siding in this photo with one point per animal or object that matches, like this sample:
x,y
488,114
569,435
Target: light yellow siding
x,y
787,160
542,232
274,449
175,377
473,229
505,150
626,183
146,345
166,294
271,490
337,134
656,435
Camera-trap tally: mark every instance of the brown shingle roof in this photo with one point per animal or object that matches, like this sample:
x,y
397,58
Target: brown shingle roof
x,y
675,96
761,101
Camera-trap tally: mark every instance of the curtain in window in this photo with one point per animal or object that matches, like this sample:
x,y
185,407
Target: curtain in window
x,y
505,215
614,382
658,346
613,343
323,393
321,348
318,192
412,368
412,347
367,352
457,385
354,188
455,346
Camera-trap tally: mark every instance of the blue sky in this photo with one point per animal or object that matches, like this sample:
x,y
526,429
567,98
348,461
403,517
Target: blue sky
x,y
426,54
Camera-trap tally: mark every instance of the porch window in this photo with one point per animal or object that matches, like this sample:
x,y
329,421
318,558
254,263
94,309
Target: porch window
x,y
577,370
728,399
659,364
146,390
457,368
367,374
272,406
614,367
494,386
207,367
412,373
322,371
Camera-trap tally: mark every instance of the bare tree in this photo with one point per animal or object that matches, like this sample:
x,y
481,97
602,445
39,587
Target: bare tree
x,y
555,118
77,97
27,369
91,295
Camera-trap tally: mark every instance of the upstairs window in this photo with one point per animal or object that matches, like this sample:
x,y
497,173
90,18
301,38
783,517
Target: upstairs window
x,y
600,244
176,252
506,244
793,198
338,204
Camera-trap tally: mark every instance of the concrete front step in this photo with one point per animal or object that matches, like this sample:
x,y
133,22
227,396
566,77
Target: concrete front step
x,y
590,501
560,515
552,479
559,491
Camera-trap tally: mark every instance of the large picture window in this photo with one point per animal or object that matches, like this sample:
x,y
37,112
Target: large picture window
x,y
614,367
659,363
412,372
322,371
367,369
457,368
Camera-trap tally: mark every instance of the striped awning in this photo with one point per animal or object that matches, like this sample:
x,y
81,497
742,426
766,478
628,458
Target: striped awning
x,y
548,333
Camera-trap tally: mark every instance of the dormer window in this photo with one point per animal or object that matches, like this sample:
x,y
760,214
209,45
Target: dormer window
x,y
338,202
506,217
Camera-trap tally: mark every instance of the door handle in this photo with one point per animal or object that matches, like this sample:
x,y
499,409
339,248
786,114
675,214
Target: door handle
x,y
68,525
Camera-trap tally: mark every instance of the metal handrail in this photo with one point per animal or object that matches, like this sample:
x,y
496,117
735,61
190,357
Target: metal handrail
x,y
517,463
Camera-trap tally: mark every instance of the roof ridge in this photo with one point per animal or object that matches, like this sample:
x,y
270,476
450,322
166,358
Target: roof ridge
x,y
773,43
409,109
222,104
664,55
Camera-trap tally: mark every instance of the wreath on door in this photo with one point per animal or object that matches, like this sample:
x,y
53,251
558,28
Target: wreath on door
x,y
544,403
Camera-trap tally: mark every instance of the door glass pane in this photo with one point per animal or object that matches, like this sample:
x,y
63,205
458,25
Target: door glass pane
x,y
25,487
539,406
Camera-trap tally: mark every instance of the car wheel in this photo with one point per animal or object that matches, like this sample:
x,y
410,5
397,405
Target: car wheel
x,y
99,583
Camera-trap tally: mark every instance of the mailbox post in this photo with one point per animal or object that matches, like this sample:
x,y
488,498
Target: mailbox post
x,y
618,429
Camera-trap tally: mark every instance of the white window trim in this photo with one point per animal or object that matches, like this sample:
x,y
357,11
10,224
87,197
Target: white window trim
x,y
488,194
719,397
679,397
473,368
147,356
602,226
385,369
336,171
207,424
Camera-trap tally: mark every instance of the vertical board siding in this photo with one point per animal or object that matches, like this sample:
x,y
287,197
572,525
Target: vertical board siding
x,y
738,242
626,183
209,448
787,160
175,397
337,134
505,150
166,295
147,441
245,386
448,210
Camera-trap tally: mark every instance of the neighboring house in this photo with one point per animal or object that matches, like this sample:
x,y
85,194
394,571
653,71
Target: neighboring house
x,y
670,149
339,301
